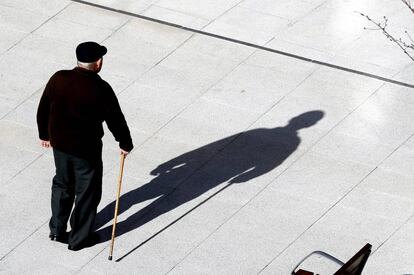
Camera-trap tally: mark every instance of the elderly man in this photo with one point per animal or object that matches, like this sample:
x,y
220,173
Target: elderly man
x,y
71,111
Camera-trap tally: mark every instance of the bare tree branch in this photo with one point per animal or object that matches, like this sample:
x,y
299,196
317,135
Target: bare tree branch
x,y
407,47
408,3
409,37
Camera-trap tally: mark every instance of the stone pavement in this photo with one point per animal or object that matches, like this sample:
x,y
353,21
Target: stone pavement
x,y
246,159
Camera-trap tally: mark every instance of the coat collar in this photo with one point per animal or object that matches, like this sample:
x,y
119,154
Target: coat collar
x,y
84,71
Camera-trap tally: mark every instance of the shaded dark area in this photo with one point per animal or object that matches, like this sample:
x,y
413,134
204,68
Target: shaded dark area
x,y
234,159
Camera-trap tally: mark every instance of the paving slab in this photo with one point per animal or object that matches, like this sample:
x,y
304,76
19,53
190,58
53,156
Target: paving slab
x,y
335,177
247,25
14,160
210,9
291,10
368,119
400,162
252,88
40,7
10,37
74,32
21,20
178,17
30,207
129,5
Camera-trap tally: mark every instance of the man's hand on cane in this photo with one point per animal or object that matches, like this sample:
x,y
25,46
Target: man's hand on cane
x,y
45,143
123,152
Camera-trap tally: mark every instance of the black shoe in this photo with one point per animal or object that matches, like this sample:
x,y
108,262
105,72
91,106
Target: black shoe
x,y
76,248
62,238
90,241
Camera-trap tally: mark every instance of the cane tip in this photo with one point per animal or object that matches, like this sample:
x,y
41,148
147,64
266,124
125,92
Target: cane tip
x,y
110,258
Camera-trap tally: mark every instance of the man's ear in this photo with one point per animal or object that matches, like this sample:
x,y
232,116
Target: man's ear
x,y
98,64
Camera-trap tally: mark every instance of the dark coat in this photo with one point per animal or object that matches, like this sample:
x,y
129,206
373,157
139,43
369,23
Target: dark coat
x,y
72,109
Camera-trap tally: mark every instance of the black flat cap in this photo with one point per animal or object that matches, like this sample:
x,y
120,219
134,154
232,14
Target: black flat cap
x,y
89,52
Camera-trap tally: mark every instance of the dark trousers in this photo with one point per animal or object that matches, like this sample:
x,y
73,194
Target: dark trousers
x,y
78,181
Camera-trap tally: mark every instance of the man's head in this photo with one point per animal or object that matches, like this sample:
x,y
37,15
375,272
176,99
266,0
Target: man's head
x,y
89,55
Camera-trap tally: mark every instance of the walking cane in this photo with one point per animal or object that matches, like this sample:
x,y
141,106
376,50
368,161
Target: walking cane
x,y
116,206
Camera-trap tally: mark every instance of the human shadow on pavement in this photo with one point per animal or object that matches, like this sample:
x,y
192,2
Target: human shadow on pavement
x,y
234,159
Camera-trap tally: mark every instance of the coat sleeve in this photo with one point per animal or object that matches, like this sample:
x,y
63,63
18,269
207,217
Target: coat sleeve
x,y
43,112
115,120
